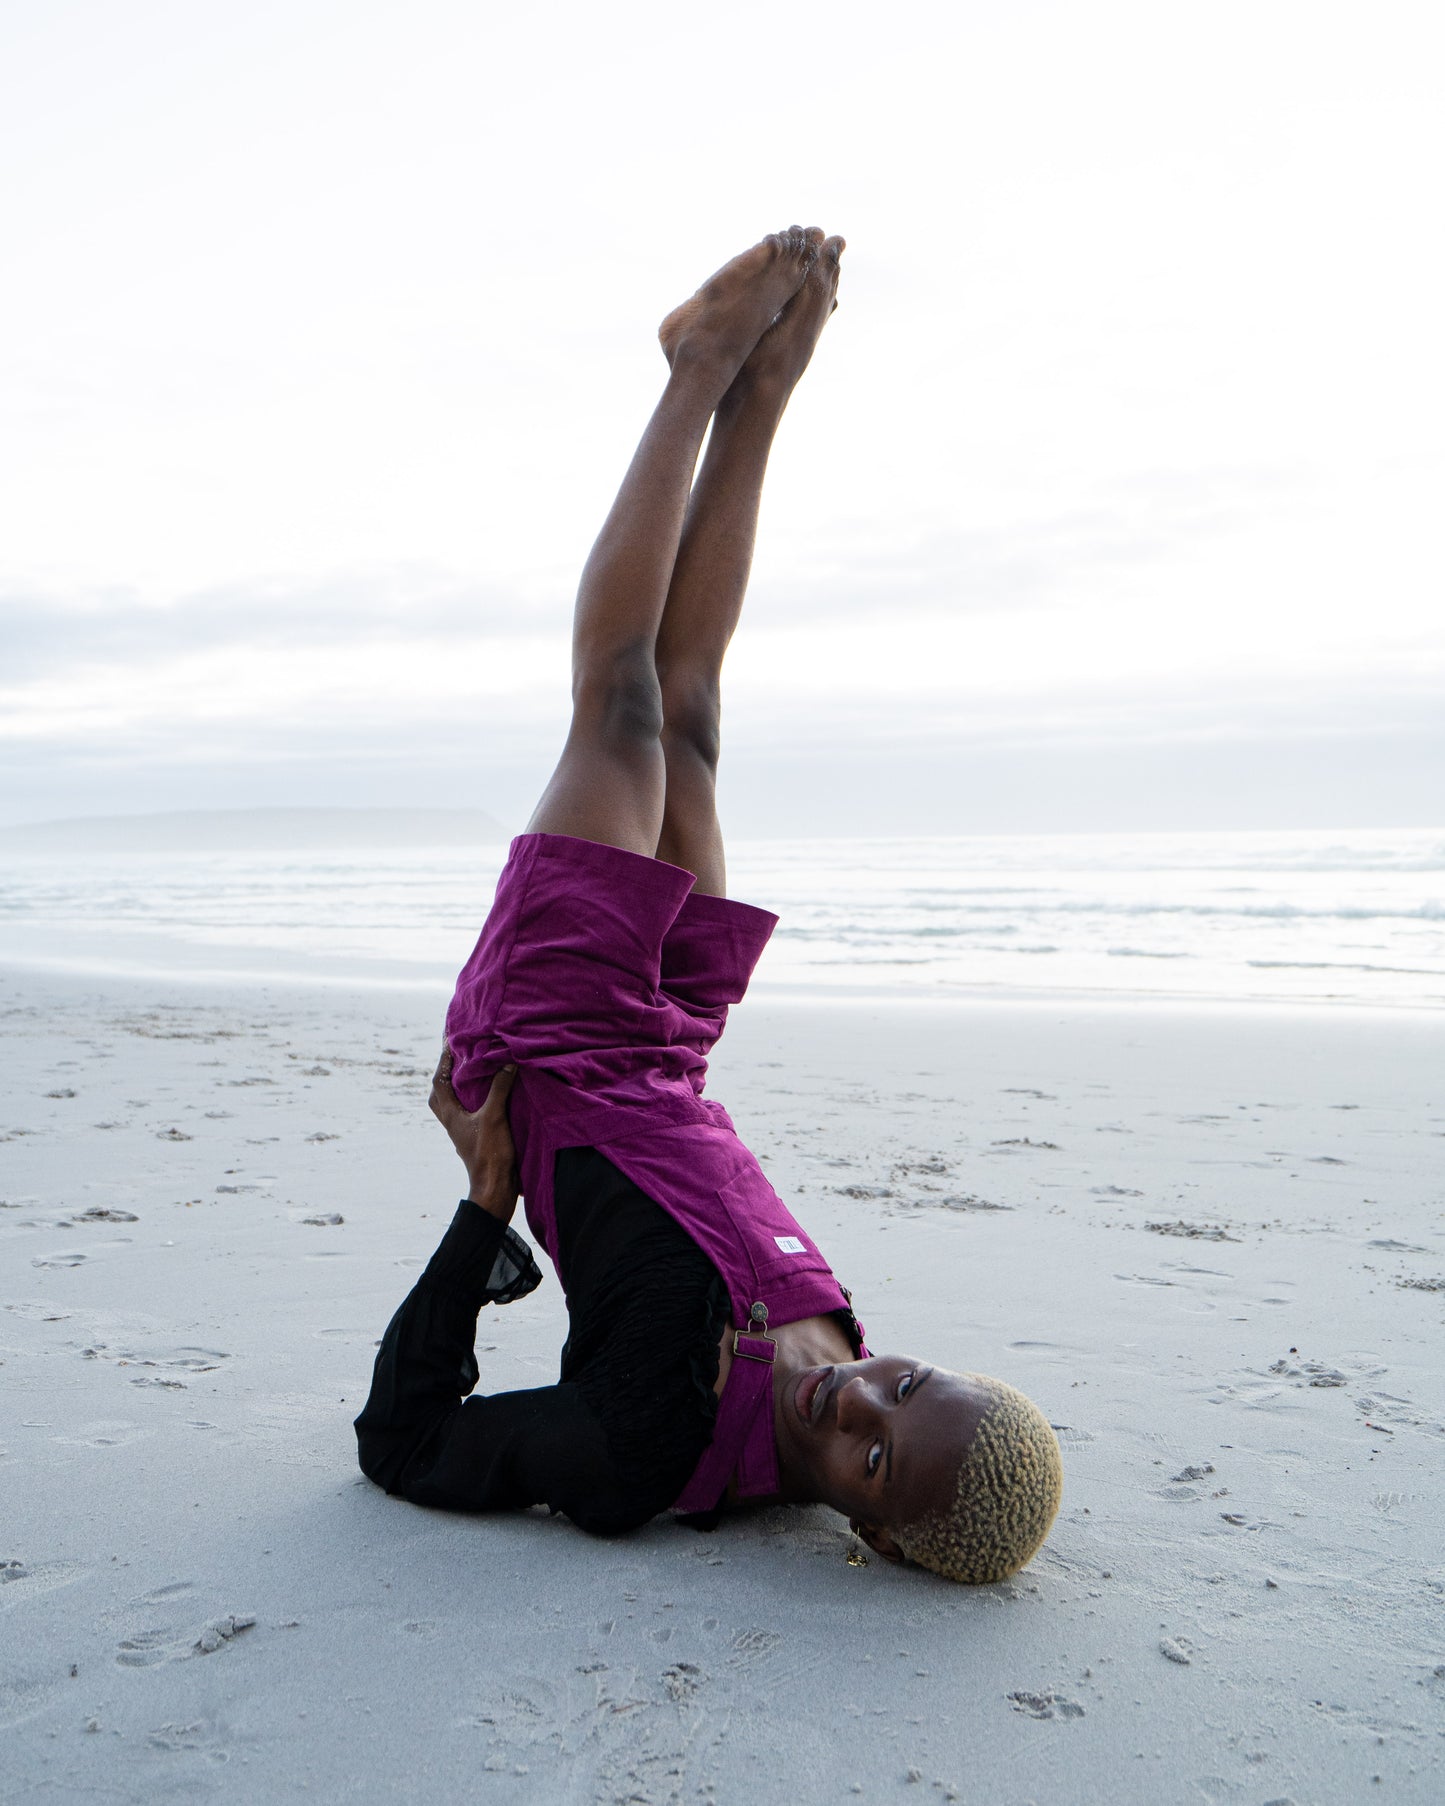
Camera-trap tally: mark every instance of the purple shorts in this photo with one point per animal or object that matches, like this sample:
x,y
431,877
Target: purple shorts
x,y
601,968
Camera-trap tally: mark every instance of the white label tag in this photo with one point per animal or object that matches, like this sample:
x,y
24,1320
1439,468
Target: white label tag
x,y
790,1244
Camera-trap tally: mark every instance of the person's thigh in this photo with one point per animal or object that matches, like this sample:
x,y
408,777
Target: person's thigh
x,y
568,967
591,797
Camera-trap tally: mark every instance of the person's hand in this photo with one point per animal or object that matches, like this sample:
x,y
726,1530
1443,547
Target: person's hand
x,y
482,1138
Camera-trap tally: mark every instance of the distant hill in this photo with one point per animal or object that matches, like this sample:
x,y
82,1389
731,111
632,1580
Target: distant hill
x,y
255,831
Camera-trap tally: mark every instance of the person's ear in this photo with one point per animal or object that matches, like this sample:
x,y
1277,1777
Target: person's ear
x,y
878,1540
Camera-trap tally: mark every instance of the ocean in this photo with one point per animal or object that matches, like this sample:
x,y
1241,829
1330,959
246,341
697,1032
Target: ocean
x,y
1299,917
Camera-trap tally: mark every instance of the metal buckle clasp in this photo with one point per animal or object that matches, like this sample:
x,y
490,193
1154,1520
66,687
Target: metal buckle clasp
x,y
756,1331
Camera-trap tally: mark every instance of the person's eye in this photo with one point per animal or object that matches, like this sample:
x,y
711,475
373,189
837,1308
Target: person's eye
x,y
875,1455
905,1386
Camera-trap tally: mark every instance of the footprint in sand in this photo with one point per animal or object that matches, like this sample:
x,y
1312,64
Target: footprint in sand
x,y
182,1359
25,1579
1309,1373
205,1737
106,1434
162,1595
931,1165
1391,1502
1381,1410
22,1696
681,1681
146,1648
751,1646
1045,1705
1194,1232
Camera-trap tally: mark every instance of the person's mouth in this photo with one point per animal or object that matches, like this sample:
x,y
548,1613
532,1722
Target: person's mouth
x,y
812,1394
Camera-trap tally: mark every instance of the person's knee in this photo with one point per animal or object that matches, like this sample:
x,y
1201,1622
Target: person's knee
x,y
618,697
692,717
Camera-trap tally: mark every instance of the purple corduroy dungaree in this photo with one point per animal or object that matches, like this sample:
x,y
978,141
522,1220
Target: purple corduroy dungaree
x,y
606,981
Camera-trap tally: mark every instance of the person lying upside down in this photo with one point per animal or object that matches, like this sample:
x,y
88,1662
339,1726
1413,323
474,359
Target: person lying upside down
x,y
712,1357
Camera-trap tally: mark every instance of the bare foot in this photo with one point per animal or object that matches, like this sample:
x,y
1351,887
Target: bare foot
x,y
784,351
732,310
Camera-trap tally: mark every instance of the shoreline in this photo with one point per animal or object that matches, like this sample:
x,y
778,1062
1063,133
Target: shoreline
x,y
1316,920
784,992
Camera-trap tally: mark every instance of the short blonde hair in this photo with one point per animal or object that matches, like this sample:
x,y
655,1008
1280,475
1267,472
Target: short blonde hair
x,y
1007,1495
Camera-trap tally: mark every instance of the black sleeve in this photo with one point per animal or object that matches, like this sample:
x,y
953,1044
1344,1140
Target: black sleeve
x,y
420,1436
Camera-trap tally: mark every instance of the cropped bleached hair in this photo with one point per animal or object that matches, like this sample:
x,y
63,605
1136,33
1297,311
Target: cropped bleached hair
x,y
1006,1496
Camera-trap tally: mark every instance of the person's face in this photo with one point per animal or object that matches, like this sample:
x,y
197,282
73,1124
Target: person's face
x,y
880,1440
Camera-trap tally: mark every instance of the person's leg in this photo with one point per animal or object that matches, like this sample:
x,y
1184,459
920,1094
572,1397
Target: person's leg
x,y
710,577
609,783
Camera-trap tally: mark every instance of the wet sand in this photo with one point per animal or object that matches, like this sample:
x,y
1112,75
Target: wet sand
x,y
1210,1241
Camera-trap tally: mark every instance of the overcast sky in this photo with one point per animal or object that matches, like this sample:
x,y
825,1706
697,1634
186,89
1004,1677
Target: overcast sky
x,y
1112,499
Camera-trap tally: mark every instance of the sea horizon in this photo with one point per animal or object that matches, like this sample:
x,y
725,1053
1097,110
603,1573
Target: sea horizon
x,y
1348,916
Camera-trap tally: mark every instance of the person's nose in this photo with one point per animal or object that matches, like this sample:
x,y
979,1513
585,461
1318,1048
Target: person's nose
x,y
860,1405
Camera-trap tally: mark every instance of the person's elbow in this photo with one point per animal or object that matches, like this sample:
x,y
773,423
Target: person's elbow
x,y
382,1456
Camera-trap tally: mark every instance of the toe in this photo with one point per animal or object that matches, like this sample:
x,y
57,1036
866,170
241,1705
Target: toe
x,y
834,248
823,273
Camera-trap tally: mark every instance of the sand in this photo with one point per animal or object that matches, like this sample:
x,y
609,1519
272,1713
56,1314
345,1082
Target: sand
x,y
1209,1241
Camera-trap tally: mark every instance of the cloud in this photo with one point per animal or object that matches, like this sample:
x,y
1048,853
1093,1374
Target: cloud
x,y
1129,527
51,636
1114,530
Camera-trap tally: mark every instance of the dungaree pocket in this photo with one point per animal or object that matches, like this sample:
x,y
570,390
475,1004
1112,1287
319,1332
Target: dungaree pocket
x,y
777,1244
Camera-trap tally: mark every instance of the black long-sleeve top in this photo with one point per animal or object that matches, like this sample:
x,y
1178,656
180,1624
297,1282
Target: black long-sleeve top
x,y
616,1440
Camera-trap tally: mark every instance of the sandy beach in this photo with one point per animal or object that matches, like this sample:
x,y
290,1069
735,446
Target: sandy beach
x,y
1209,1240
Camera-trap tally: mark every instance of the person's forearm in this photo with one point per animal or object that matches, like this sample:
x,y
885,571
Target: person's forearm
x,y
427,1355
499,1201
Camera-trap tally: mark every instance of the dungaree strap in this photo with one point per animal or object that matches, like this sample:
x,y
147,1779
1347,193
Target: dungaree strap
x,y
743,1442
